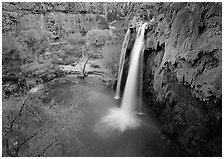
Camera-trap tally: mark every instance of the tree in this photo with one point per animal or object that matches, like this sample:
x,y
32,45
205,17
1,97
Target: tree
x,y
83,69
33,43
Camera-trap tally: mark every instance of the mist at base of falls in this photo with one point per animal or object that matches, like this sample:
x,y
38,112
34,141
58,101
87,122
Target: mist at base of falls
x,y
109,131
117,121
110,119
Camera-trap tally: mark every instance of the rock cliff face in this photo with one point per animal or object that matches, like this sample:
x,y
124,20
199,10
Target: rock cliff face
x,y
183,78
61,19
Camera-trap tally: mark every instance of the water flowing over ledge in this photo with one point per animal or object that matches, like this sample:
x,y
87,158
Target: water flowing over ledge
x,y
125,117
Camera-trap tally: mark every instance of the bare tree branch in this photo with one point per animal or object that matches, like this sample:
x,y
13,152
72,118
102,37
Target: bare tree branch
x,y
20,112
48,147
84,74
27,139
9,119
16,152
84,66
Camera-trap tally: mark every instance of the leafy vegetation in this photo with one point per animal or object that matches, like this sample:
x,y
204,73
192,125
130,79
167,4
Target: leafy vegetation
x,y
111,57
97,37
32,44
76,39
38,43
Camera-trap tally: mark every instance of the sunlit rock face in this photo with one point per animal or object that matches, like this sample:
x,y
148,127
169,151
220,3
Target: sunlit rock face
x,y
182,74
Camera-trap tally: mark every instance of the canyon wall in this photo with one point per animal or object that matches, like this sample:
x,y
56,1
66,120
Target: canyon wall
x,y
182,64
183,74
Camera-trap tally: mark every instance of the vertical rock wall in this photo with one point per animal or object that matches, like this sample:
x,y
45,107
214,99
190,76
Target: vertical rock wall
x,y
61,19
182,76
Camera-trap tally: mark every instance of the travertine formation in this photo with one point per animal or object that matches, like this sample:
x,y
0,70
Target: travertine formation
x,y
183,74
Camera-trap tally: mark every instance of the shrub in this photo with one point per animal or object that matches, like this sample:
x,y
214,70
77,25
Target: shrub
x,y
69,50
70,60
102,22
75,50
76,39
10,58
57,60
46,71
33,43
8,45
111,57
97,37
34,68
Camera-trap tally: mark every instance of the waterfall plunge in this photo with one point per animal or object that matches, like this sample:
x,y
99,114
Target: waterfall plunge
x,y
125,117
131,96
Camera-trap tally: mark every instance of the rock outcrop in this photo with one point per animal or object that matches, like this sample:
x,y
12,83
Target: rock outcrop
x,y
183,74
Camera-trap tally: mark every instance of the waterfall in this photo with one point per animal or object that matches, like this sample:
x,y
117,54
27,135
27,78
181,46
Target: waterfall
x,y
121,63
132,93
126,117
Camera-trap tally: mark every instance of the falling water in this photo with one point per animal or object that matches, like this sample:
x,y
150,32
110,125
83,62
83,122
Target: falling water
x,y
125,117
121,64
131,96
140,80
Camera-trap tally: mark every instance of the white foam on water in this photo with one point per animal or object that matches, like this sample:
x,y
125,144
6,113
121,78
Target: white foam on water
x,y
117,121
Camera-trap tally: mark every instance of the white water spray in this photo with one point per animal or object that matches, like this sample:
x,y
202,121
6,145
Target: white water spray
x,y
130,100
125,117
